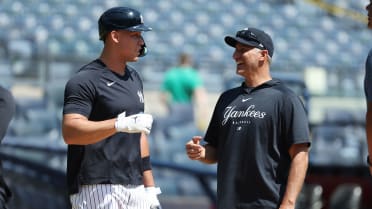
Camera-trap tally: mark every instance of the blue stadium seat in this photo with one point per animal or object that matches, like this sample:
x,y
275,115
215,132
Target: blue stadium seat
x,y
310,197
210,23
346,196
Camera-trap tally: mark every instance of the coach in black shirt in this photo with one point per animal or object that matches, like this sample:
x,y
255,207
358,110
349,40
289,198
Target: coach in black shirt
x,y
258,134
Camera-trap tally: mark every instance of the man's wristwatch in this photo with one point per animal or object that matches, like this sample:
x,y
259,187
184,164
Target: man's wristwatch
x,y
368,161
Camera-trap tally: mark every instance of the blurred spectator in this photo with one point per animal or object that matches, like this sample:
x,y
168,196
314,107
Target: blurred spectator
x,y
7,110
368,92
183,94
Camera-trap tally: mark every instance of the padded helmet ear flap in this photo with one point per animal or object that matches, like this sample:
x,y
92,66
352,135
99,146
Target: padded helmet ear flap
x,y
143,50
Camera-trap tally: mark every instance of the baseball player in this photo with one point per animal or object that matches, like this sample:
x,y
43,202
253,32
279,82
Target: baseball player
x,y
258,134
108,162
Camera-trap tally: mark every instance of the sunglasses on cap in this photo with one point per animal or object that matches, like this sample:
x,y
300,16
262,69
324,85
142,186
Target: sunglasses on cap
x,y
250,36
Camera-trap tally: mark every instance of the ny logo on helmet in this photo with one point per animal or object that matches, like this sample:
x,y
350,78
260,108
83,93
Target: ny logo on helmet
x,y
141,19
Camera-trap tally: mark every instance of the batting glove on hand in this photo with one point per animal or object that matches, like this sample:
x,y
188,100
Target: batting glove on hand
x,y
152,193
134,123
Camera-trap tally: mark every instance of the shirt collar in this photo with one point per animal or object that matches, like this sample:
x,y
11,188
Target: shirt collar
x,y
269,83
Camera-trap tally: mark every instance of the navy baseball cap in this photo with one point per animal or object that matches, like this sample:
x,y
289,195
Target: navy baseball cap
x,y
121,18
252,37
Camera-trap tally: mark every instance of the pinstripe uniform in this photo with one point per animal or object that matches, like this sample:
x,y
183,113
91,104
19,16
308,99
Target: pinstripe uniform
x,y
109,196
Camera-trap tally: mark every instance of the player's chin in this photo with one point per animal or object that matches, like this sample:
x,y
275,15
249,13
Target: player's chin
x,y
134,59
240,71
137,56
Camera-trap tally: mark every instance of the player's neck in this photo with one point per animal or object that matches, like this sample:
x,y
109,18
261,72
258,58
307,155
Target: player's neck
x,y
254,80
113,64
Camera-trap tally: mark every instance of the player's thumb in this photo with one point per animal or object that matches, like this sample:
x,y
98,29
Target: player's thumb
x,y
146,131
196,139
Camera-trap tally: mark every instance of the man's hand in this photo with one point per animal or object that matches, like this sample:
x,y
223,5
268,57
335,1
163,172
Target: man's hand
x,y
134,123
194,150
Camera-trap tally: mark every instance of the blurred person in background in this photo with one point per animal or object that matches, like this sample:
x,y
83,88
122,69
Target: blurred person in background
x,y
368,93
108,162
258,134
7,110
183,94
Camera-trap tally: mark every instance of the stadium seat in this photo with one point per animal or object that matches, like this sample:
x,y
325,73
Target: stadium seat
x,y
75,19
6,75
310,197
346,196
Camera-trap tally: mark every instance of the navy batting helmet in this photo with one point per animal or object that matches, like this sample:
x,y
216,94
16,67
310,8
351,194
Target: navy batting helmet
x,y
121,18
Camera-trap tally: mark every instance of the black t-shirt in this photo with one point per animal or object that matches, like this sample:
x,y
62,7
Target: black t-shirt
x,y
252,129
100,94
7,110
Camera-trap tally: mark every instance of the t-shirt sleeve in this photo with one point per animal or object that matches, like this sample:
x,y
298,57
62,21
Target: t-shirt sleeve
x,y
368,78
7,110
295,122
79,96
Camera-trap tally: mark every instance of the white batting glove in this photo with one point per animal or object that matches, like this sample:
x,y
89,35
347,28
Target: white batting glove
x,y
134,123
152,193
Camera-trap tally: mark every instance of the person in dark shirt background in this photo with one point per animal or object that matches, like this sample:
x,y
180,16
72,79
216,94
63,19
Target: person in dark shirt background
x,y
7,110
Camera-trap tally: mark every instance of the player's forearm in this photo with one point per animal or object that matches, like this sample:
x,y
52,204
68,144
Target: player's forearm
x,y
77,130
148,179
296,178
145,148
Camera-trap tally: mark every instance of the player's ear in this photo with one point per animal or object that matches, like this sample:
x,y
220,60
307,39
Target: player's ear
x,y
114,36
263,53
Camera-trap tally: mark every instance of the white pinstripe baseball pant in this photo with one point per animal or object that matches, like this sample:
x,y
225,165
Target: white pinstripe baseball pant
x,y
110,196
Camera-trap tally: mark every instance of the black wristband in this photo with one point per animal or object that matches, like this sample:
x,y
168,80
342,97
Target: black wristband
x,y
146,164
368,161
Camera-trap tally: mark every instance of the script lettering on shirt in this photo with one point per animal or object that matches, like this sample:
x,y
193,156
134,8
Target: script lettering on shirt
x,y
250,112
